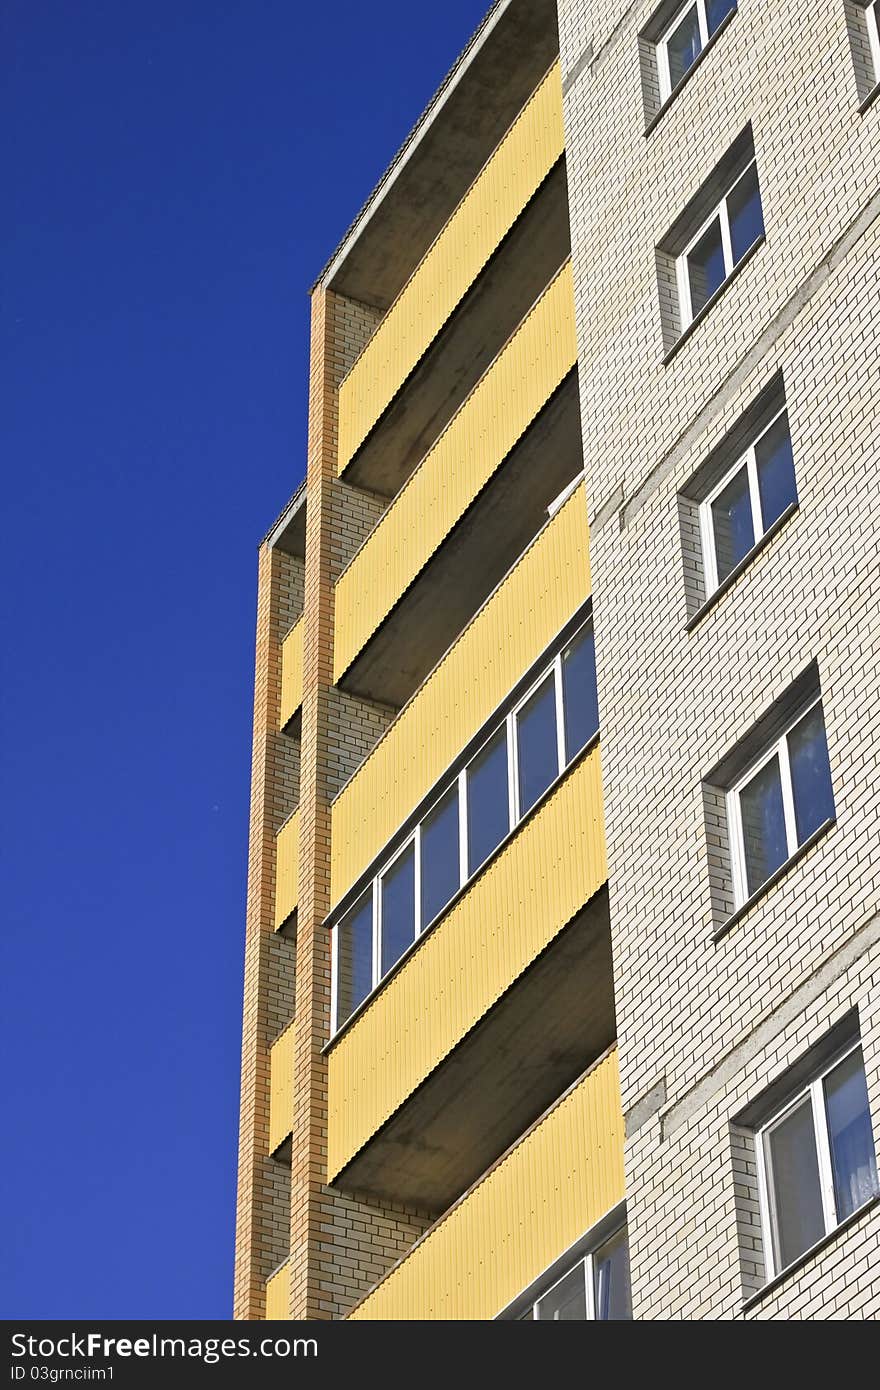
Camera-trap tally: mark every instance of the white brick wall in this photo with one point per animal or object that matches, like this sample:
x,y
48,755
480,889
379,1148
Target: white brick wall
x,y
672,702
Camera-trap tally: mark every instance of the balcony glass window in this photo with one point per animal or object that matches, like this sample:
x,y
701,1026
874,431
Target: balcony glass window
x,y
817,1162
537,748
780,802
685,38
397,898
580,699
488,804
440,856
523,756
597,1288
713,253
354,956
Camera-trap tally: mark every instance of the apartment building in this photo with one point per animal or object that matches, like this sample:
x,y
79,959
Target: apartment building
x,y
563,931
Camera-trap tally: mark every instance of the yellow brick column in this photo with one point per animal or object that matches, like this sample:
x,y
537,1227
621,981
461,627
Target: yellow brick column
x,y
311,1027
261,1187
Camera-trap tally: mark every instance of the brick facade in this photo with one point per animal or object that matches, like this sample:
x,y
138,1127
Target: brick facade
x,y
717,1020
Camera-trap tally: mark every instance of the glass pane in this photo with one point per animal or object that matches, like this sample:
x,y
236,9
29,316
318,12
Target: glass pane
x,y
810,774
487,805
705,266
567,1300
683,47
794,1174
716,10
354,958
763,825
732,525
440,860
853,1158
398,921
744,211
580,702
536,748
611,1276
776,484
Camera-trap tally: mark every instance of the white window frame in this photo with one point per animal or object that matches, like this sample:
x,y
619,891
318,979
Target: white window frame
x,y
666,87
749,461
721,213
513,743
779,748
872,20
587,1264
507,722
814,1092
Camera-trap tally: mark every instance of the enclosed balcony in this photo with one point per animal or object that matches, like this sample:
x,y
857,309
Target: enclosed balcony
x,y
520,1217
548,584
492,1013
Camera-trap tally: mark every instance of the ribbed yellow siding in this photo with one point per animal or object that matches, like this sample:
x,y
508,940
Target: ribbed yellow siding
x,y
280,1089
548,583
483,217
291,672
553,1186
513,909
501,406
287,869
278,1295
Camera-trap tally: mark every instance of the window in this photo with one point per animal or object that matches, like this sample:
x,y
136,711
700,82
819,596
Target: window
x,y
685,38
747,502
872,19
780,802
713,253
488,804
816,1161
527,751
596,1288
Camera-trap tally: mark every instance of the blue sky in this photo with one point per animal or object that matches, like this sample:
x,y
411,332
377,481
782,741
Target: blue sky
x,y
175,176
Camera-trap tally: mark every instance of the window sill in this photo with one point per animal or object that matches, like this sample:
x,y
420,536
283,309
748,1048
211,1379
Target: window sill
x,y
465,888
743,565
658,115
774,878
870,98
710,303
820,1245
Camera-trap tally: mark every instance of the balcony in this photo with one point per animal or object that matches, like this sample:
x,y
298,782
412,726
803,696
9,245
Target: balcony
x,y
555,1183
482,219
548,583
280,1089
287,870
278,1294
509,284
291,673
462,519
498,1008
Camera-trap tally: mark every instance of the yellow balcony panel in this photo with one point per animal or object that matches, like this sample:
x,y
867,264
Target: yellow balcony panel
x,y
485,214
291,672
286,869
278,1294
551,1187
506,400
489,941
280,1089
549,582
498,300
